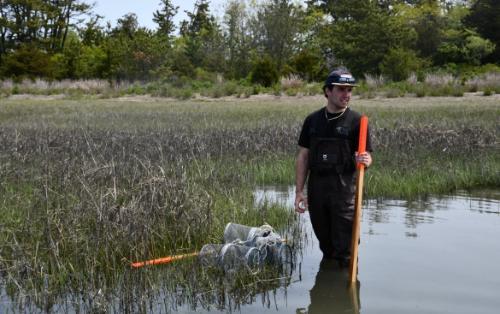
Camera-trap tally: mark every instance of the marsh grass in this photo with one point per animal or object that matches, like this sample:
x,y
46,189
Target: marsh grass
x,y
89,186
431,84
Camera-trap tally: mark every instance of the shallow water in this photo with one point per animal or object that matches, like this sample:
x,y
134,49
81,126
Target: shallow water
x,y
438,255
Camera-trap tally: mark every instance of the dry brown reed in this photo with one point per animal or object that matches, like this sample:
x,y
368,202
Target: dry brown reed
x,y
438,79
291,82
487,81
374,81
412,79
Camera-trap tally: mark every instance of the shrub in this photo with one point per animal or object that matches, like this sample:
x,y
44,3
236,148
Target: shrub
x,y
276,89
488,92
217,91
136,90
184,93
312,89
247,92
256,89
164,90
264,72
447,90
394,93
399,63
420,90
367,94
307,65
457,91
291,91
231,88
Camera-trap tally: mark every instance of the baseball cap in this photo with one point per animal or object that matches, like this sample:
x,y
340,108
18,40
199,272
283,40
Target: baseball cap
x,y
340,78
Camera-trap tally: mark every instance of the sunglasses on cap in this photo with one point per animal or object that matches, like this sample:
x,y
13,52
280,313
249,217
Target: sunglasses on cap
x,y
340,79
344,79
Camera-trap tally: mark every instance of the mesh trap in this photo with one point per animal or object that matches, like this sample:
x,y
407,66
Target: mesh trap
x,y
248,247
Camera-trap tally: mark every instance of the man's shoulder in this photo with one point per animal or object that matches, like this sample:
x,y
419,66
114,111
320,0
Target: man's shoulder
x,y
315,114
356,115
352,117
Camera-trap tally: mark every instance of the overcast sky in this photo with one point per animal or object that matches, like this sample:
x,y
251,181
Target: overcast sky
x,y
112,10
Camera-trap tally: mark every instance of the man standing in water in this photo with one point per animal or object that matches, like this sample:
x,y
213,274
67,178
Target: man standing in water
x,y
327,155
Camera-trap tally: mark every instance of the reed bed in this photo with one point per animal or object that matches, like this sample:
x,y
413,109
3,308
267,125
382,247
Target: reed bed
x,y
89,186
428,84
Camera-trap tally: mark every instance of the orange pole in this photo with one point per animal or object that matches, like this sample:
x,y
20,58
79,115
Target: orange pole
x,y
163,260
353,267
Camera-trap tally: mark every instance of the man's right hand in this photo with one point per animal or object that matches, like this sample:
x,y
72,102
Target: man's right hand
x,y
300,202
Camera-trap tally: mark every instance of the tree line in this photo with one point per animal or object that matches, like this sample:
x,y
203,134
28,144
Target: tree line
x,y
256,42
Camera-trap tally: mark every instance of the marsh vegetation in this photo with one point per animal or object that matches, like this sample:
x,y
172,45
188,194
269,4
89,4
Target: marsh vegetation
x,y
89,186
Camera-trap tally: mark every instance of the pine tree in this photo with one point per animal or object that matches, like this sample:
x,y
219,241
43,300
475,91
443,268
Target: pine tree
x,y
165,19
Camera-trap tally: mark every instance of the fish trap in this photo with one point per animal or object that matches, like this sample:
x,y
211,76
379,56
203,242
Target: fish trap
x,y
248,247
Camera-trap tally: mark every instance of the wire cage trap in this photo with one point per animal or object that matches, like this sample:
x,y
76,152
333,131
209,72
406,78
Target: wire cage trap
x,y
248,247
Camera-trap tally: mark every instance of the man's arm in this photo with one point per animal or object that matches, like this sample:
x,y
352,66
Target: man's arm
x,y
301,169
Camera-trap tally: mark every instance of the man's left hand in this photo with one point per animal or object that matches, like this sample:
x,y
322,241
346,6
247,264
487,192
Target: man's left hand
x,y
364,158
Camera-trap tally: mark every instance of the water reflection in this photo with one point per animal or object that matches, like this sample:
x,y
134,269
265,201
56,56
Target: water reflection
x,y
425,210
431,255
332,292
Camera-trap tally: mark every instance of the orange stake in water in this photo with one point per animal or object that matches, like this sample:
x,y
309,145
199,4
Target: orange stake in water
x,y
163,260
353,267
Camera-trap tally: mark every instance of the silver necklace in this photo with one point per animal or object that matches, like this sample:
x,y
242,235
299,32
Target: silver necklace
x,y
334,118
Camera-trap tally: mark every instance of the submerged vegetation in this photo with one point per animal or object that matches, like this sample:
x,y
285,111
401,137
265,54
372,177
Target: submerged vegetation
x,y
89,186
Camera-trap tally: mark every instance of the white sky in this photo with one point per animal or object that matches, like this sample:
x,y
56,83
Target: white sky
x,y
112,10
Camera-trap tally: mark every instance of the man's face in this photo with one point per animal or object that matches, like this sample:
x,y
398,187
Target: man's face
x,y
339,96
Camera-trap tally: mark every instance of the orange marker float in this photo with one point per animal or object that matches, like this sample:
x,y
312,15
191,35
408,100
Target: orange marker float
x,y
163,260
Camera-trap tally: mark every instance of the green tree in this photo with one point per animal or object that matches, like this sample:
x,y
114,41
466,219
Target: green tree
x,y
4,28
132,52
310,60
126,25
264,72
276,29
361,35
40,22
237,39
458,43
91,63
484,17
307,64
27,61
41,27
71,54
428,24
92,33
202,39
165,19
399,63
179,66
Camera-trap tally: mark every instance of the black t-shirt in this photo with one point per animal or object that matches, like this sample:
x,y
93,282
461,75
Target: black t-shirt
x,y
331,124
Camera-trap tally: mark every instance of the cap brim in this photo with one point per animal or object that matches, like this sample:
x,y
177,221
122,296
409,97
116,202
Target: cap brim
x,y
344,84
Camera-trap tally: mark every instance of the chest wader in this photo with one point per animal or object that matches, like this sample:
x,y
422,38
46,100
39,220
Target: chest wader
x,y
330,189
